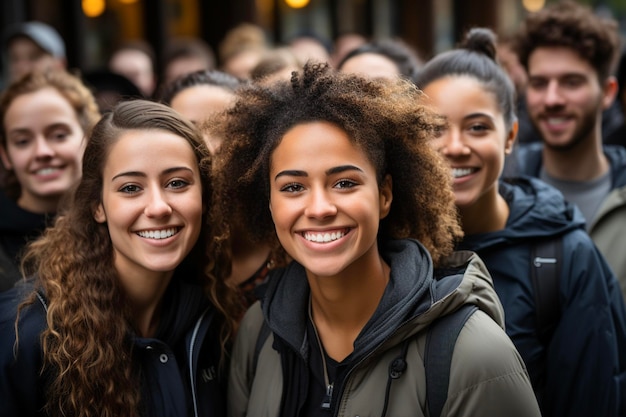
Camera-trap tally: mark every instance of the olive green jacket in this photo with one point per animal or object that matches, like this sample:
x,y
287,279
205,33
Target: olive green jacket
x,y
487,376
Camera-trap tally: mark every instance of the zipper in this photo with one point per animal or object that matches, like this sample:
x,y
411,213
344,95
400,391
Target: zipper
x,y
192,375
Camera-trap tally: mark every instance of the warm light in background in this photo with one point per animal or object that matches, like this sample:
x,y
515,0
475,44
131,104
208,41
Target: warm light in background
x,y
533,5
93,8
128,1
297,4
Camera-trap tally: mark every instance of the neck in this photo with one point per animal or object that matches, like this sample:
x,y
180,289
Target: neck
x,y
144,295
489,214
585,161
39,205
342,305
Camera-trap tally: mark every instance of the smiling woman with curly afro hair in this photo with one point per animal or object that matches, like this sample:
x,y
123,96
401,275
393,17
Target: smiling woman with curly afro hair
x,y
335,172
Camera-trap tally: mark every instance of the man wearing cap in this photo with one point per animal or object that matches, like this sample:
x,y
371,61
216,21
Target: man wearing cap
x,y
32,45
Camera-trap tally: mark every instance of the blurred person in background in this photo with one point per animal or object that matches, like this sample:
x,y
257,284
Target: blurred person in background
x,y
201,94
32,45
343,44
276,64
135,60
310,46
383,58
241,49
184,55
44,118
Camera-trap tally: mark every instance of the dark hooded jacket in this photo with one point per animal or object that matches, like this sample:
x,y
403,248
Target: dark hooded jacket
x,y
179,367
579,372
487,376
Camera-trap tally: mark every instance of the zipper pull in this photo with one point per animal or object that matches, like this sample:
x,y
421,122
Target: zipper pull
x,y
327,398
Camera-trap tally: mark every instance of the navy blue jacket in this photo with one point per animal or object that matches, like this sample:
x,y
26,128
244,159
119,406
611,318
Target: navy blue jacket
x,y
179,367
583,369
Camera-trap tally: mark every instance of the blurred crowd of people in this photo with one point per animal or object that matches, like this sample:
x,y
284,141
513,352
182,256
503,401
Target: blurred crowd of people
x,y
284,229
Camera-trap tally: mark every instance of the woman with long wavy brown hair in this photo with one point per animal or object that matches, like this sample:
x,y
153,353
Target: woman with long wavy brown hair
x,y
125,318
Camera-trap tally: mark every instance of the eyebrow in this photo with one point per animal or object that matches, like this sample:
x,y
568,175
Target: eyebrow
x,y
331,171
478,115
143,174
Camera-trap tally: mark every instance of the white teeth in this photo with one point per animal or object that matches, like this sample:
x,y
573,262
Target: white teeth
x,y
46,171
158,234
323,237
556,120
461,172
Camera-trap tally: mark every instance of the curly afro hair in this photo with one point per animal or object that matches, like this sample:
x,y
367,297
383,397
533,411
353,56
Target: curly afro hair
x,y
387,119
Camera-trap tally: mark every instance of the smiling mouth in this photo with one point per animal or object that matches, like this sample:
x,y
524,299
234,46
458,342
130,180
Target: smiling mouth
x,y
159,234
324,237
46,171
462,172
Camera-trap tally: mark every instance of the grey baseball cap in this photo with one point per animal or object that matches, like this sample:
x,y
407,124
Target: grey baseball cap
x,y
45,36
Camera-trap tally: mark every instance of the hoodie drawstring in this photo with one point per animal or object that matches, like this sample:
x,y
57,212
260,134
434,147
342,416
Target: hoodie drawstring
x,y
396,369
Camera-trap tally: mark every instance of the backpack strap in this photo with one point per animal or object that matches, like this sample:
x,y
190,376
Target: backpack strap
x,y
545,274
260,341
440,341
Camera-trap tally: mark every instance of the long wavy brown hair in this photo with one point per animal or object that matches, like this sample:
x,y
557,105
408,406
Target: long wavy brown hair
x,y
86,346
388,120
69,86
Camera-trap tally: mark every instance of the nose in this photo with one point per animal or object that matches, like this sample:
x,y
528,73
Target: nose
x,y
157,205
553,95
43,148
320,205
453,143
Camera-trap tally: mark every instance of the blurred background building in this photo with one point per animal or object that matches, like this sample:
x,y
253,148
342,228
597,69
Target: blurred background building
x,y
92,28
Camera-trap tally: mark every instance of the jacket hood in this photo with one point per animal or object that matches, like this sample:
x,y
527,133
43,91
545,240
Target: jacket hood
x,y
186,301
617,158
536,210
413,298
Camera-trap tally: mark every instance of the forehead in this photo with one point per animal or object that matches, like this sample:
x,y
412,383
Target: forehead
x,y
460,92
155,146
372,65
316,144
21,44
557,61
43,104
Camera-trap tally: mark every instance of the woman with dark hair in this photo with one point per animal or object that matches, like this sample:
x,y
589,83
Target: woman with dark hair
x,y
335,171
572,337
383,58
125,318
44,118
198,95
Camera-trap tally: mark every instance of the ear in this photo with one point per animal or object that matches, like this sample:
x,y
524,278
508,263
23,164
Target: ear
x,y
609,92
510,139
385,196
99,215
5,159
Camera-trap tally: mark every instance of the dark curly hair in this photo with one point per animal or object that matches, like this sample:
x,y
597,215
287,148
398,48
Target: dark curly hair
x,y
571,25
387,119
